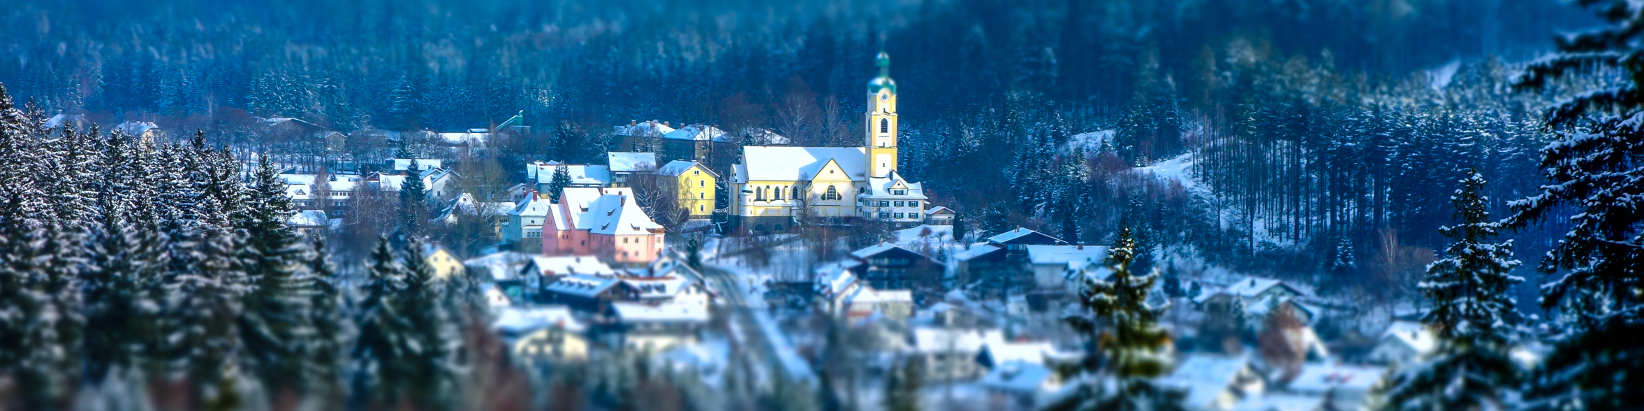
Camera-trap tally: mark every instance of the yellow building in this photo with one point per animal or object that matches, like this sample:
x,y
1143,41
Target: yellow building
x,y
776,187
693,186
444,263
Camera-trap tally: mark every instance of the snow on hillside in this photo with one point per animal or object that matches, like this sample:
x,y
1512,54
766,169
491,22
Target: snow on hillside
x,y
1178,169
1088,143
1440,77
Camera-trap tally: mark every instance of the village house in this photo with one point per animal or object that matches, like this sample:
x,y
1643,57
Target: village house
x,y
1002,258
893,267
1261,296
1402,341
444,263
606,222
648,328
329,193
1019,385
846,296
625,165
696,142
523,229
691,185
434,181
1050,264
549,332
640,137
539,271
949,354
777,187
939,215
541,174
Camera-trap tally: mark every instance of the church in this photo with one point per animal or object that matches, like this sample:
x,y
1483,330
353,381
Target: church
x,y
778,187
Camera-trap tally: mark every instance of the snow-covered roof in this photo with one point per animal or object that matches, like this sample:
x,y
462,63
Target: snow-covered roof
x,y
1033,352
658,286
1413,334
832,283
1065,254
1316,378
668,312
499,266
531,206
870,295
625,162
977,251
619,214
1206,376
697,132
393,181
582,285
962,340
1255,286
473,136
801,163
569,265
308,218
301,186
581,174
880,187
876,249
647,128
938,210
521,320
1015,234
677,167
1017,377
402,164
62,119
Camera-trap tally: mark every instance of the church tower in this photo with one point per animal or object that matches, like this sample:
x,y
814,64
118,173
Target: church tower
x,y
881,120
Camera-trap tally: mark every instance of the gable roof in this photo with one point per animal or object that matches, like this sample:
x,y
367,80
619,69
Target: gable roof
x,y
882,248
677,167
625,162
531,206
976,252
609,211
581,285
581,174
568,265
1022,234
881,187
1065,254
1413,334
938,210
499,266
800,163
647,128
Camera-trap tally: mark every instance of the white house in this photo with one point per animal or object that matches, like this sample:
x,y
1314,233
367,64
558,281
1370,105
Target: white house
x,y
1403,341
524,225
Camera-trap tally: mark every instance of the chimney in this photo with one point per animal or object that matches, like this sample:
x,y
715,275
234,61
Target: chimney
x,y
666,123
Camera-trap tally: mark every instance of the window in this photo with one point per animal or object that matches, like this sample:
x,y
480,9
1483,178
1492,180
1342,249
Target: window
x,y
883,215
898,203
759,194
832,194
884,204
898,215
700,196
884,125
701,183
779,193
701,209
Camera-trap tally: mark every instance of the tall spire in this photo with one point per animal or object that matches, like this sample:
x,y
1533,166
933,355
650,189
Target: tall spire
x,y
883,61
883,81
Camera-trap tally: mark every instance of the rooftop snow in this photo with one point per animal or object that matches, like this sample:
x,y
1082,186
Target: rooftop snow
x,y
569,265
977,251
697,132
677,167
879,187
1318,378
520,320
623,162
771,163
582,285
1065,254
1413,334
1016,376
647,128
499,266
669,312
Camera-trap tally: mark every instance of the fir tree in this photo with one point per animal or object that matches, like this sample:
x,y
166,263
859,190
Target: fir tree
x,y
1472,315
275,323
1126,347
382,353
413,202
326,315
556,186
114,294
1594,168
434,337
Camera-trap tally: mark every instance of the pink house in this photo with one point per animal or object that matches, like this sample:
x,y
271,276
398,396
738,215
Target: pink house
x,y
603,222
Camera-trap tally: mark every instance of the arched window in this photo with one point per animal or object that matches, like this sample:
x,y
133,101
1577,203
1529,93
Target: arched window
x,y
832,194
884,125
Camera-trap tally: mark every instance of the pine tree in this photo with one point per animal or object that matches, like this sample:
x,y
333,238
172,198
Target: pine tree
x,y
114,295
903,384
382,353
325,314
1594,168
275,324
1126,347
423,304
1472,314
413,202
556,186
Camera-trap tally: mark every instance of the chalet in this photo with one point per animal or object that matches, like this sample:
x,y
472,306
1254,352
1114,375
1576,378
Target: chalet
x,y
641,137
893,267
695,142
585,292
949,354
1050,263
434,181
523,225
1261,296
844,295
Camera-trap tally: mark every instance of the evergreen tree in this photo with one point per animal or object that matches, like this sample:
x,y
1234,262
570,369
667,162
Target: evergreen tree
x,y
114,294
1473,316
1126,347
276,322
435,338
1594,168
326,315
382,355
556,186
903,385
413,202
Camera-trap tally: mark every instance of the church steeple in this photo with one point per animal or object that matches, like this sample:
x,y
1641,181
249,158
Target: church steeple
x,y
881,120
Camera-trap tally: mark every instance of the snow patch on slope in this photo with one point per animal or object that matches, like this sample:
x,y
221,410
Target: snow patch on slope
x,y
1088,143
1439,78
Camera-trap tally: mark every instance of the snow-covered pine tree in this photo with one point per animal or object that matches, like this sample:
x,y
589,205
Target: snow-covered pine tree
x,y
275,324
556,186
1473,316
1594,167
1126,347
435,338
114,294
381,356
208,310
326,315
413,202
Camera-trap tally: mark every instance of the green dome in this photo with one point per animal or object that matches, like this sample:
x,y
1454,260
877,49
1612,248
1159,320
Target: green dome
x,y
883,81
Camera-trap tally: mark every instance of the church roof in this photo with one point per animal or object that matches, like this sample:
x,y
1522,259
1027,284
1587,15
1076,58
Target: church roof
x,y
800,163
883,81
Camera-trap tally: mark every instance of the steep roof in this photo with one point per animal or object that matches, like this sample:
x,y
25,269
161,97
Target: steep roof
x,y
881,187
531,206
976,251
1064,254
881,248
581,285
647,128
1413,334
609,211
801,163
677,167
624,162
569,265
